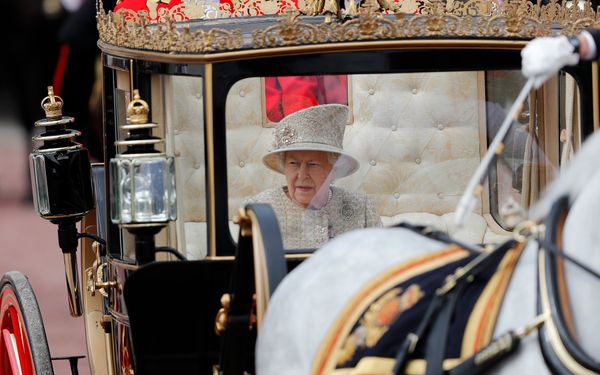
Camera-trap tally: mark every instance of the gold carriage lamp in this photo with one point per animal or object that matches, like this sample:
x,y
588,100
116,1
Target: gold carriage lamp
x,y
62,185
143,198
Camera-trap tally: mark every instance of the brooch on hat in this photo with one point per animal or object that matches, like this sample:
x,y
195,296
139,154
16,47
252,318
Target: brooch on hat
x,y
285,136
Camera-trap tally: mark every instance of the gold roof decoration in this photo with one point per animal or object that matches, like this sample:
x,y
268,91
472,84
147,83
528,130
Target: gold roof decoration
x,y
289,31
137,109
134,30
52,104
189,28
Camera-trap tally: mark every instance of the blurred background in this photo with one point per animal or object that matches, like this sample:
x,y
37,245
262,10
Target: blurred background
x,y
49,42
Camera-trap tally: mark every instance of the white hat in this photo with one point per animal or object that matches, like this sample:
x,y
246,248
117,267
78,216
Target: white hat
x,y
319,128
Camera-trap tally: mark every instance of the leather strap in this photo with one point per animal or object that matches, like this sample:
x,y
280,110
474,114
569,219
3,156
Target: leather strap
x,y
551,252
438,235
436,348
435,326
239,336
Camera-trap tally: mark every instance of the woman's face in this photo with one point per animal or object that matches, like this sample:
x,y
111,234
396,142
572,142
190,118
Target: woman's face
x,y
306,173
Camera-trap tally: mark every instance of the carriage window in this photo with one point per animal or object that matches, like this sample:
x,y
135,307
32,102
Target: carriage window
x,y
543,137
507,175
414,142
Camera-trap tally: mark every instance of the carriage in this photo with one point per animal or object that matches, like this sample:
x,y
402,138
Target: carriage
x,y
175,270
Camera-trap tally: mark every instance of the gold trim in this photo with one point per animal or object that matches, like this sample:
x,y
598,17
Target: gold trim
x,y
210,160
483,143
218,258
230,257
222,318
65,216
92,303
109,347
133,30
486,309
312,48
261,276
553,336
473,18
550,130
289,31
384,366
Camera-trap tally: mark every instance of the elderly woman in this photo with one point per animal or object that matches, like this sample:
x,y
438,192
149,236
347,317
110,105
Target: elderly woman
x,y
308,151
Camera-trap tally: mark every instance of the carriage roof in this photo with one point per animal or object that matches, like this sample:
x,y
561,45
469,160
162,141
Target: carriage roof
x,y
196,29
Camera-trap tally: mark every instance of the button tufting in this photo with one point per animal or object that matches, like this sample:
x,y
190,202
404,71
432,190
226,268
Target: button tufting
x,y
414,91
440,127
371,91
396,195
196,165
198,96
177,153
242,93
418,160
373,162
176,131
394,128
440,195
242,164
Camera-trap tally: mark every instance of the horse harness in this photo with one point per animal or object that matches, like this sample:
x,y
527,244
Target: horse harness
x,y
562,353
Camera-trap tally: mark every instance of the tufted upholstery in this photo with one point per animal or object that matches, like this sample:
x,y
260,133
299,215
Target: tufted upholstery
x,y
185,141
417,137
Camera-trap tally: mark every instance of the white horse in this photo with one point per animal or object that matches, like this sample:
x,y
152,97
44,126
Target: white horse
x,y
313,311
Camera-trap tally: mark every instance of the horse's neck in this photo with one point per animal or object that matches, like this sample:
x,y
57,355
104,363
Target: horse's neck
x,y
581,240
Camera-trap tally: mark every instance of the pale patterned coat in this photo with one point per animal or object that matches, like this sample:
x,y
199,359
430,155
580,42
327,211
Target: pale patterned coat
x,y
312,228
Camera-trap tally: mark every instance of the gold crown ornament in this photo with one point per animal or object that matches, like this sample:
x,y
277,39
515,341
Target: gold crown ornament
x,y
52,105
137,109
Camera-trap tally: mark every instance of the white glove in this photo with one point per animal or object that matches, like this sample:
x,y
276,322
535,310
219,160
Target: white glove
x,y
544,57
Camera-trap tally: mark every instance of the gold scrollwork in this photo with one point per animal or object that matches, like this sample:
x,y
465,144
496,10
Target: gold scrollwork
x,y
369,25
134,30
369,20
289,31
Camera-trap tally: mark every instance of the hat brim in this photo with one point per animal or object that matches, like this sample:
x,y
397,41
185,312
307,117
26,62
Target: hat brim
x,y
345,165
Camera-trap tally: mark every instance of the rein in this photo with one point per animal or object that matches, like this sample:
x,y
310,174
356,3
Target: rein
x,y
438,235
562,352
557,252
434,327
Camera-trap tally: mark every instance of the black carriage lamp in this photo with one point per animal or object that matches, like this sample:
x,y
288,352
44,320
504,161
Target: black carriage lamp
x,y
62,185
143,198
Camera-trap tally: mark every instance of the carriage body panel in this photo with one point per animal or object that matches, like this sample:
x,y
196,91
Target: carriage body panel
x,y
426,94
